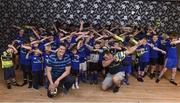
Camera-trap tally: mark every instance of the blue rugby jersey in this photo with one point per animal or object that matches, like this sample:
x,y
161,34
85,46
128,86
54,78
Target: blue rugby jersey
x,y
36,62
154,53
144,57
83,52
22,57
75,61
58,65
171,50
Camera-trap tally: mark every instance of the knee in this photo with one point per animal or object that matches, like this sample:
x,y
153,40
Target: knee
x,y
174,70
104,88
116,79
165,69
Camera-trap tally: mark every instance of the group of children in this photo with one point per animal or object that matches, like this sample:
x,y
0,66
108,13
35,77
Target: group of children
x,y
86,45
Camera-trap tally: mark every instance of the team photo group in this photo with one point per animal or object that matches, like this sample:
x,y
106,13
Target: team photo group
x,y
65,56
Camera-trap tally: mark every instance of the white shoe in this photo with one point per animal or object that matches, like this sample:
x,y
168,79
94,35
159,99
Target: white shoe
x,y
77,86
73,86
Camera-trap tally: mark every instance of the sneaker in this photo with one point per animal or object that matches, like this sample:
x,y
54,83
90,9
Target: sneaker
x,y
30,85
140,79
73,86
151,75
77,86
157,80
8,86
63,89
173,82
15,84
126,81
116,89
91,82
158,72
96,82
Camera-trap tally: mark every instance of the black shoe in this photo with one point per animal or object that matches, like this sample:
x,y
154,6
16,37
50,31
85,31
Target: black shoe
x,y
151,76
116,89
157,80
35,87
8,86
173,82
91,82
30,85
140,79
178,69
96,82
158,73
63,89
127,83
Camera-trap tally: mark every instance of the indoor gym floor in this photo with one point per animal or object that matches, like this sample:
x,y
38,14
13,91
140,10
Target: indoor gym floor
x,y
136,92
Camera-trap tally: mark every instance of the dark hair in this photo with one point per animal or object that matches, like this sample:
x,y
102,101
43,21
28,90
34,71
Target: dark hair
x,y
155,35
172,36
107,52
63,44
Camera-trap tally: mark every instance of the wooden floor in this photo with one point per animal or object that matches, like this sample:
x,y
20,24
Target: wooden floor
x,y
136,92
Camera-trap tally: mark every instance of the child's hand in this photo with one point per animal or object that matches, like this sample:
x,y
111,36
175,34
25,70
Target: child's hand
x,y
10,46
163,52
81,22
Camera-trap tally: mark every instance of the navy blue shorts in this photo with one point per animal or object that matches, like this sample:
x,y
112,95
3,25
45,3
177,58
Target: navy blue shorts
x,y
161,59
142,65
9,73
127,69
93,66
153,61
75,72
171,63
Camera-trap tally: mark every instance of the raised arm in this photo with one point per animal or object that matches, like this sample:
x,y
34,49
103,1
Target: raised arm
x,y
133,49
176,42
26,47
54,26
81,25
35,32
64,38
15,50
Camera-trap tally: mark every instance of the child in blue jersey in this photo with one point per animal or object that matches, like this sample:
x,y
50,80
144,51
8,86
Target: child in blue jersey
x,y
20,38
127,65
145,57
154,54
82,51
75,66
37,67
46,56
25,64
171,58
161,57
